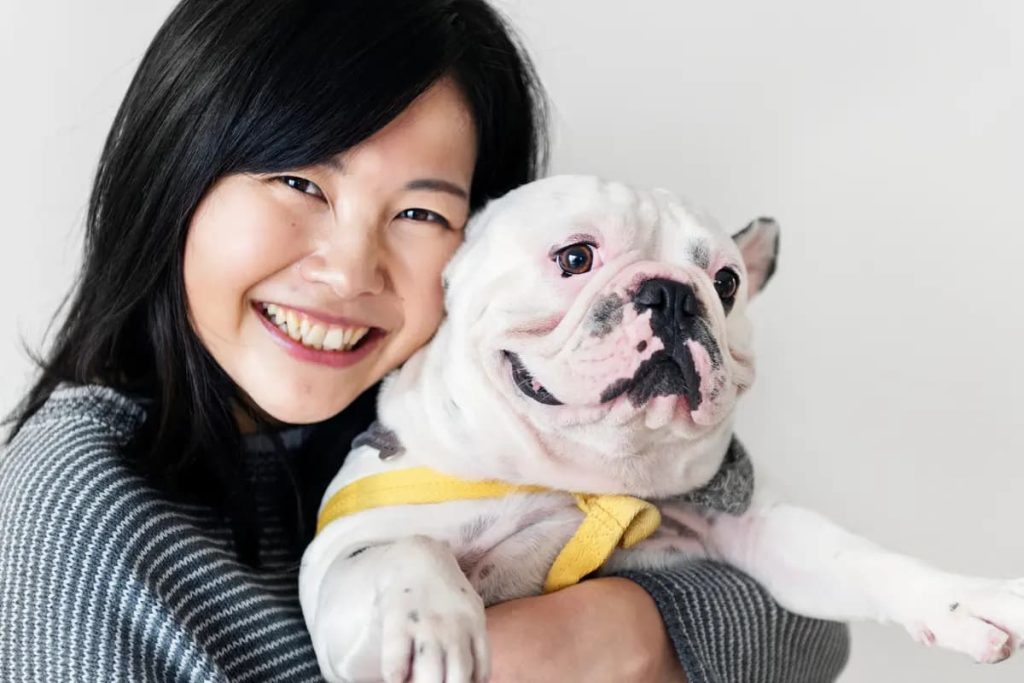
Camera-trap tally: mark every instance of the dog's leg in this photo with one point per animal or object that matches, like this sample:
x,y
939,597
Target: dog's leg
x,y
812,566
400,610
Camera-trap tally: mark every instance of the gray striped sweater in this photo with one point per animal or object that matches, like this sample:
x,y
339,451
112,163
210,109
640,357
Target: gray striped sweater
x,y
103,578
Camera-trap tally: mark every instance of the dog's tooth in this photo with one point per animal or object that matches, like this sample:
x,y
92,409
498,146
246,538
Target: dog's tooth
x,y
659,411
272,309
334,339
304,327
314,336
347,341
292,319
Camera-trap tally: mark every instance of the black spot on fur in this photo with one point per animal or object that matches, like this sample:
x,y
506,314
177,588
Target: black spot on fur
x,y
616,389
606,315
414,617
381,438
700,253
665,374
642,346
702,335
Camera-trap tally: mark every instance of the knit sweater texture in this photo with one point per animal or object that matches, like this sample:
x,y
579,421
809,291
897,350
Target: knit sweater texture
x,y
105,578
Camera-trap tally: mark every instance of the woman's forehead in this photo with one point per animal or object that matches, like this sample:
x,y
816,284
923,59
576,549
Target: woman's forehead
x,y
430,145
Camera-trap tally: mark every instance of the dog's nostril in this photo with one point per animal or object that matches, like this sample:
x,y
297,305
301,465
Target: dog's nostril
x,y
667,297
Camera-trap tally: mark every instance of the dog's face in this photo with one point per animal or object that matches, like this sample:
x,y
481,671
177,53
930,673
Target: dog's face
x,y
588,303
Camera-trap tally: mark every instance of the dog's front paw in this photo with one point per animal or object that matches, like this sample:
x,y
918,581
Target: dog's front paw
x,y
982,618
433,631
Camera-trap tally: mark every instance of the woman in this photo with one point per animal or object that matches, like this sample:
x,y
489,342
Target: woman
x,y
163,474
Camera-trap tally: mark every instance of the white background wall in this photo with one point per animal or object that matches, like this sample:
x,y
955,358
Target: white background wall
x,y
885,136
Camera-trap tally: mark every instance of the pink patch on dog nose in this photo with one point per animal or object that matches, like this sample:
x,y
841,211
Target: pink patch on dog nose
x,y
705,370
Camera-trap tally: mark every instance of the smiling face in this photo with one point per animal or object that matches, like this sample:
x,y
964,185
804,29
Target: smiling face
x,y
613,315
307,286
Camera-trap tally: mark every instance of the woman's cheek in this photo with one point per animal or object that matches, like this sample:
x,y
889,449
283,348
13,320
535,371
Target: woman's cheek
x,y
237,240
423,258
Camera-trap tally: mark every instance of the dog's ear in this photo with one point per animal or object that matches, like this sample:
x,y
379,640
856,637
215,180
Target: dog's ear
x,y
759,245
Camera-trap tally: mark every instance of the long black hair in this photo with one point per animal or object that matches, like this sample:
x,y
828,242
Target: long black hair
x,y
231,86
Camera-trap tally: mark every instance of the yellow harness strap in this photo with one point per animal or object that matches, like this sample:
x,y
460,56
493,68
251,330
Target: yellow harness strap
x,y
610,521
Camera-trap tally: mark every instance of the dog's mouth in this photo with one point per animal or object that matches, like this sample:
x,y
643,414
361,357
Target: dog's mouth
x,y
663,374
525,382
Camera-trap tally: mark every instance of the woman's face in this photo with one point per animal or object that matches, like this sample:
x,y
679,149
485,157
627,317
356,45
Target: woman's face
x,y
307,286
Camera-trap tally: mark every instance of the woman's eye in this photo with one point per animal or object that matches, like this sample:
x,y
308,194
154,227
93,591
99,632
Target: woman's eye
x,y
423,215
726,284
575,259
302,185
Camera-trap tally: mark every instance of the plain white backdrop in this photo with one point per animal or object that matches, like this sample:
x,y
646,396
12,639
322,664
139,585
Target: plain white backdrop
x,y
886,138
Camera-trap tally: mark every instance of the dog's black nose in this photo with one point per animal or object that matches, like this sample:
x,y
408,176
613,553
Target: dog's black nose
x,y
668,299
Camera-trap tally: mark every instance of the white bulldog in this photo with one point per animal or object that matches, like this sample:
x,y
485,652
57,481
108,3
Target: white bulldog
x,y
596,341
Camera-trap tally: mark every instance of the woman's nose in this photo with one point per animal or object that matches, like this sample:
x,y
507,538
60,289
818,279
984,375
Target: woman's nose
x,y
348,261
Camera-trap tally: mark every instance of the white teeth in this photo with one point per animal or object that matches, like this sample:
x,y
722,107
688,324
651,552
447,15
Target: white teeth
x,y
314,336
293,325
274,312
311,333
334,339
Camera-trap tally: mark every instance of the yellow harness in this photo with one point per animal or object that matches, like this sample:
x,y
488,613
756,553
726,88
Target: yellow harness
x,y
610,521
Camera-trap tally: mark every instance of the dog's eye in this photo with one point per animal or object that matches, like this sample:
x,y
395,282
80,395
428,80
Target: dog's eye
x,y
727,283
575,259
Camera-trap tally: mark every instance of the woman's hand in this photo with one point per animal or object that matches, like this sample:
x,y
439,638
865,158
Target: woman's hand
x,y
600,630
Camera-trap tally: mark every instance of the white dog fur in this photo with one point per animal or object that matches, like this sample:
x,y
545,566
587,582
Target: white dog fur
x,y
398,593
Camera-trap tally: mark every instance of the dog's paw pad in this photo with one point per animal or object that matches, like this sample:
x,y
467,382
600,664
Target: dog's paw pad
x,y
980,640
925,637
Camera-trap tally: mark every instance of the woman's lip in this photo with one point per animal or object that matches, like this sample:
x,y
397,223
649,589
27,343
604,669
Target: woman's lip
x,y
334,359
319,316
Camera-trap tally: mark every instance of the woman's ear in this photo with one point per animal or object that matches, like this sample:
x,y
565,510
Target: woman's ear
x,y
759,245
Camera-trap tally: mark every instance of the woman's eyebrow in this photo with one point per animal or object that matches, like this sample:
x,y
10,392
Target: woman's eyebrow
x,y
437,185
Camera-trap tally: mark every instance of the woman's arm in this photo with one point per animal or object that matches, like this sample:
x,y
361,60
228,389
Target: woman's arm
x,y
712,619
103,579
603,630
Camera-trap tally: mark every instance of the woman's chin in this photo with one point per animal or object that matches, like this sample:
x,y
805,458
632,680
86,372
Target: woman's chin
x,y
280,406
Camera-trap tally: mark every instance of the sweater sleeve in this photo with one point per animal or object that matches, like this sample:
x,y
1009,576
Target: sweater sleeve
x,y
726,628
73,606
102,579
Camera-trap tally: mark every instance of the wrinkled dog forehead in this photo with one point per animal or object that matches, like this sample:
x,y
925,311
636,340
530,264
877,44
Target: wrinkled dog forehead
x,y
515,236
